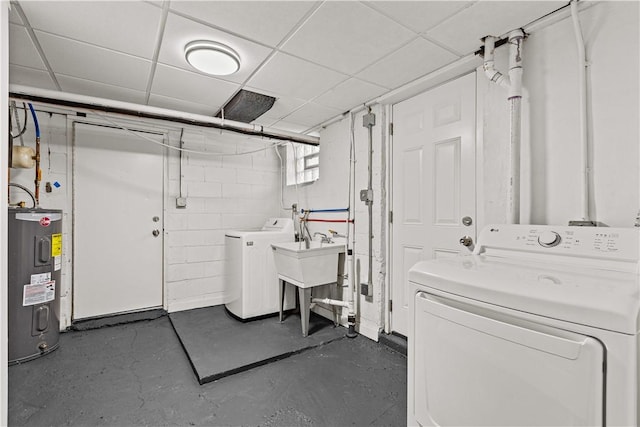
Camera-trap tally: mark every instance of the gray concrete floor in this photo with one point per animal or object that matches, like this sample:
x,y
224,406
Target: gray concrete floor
x,y
138,374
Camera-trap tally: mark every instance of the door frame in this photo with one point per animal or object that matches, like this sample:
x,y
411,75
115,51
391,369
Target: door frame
x,y
143,127
480,95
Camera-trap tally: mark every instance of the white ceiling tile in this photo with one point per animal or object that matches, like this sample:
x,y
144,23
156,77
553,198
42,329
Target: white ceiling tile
x,y
100,90
89,62
181,105
463,32
14,18
180,31
350,93
191,87
281,107
289,126
21,49
30,77
347,36
293,77
419,15
414,60
125,26
312,114
264,21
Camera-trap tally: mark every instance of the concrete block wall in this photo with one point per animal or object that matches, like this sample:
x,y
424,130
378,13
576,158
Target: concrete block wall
x,y
226,191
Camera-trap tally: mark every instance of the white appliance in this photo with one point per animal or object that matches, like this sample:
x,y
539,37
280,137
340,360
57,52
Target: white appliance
x,y
539,326
252,283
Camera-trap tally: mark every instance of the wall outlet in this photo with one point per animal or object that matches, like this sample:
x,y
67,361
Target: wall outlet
x,y
181,202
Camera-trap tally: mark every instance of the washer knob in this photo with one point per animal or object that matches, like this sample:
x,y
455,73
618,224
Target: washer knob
x,y
549,239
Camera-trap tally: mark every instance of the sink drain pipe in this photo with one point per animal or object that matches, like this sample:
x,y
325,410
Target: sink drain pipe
x,y
513,83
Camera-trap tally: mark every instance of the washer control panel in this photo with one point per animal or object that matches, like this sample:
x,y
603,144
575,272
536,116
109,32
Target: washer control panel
x,y
594,242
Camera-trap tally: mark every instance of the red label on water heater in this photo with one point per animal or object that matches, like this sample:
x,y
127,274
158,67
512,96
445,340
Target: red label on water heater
x,y
45,221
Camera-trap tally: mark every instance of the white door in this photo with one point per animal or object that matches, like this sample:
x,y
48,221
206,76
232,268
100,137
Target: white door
x,y
433,179
117,195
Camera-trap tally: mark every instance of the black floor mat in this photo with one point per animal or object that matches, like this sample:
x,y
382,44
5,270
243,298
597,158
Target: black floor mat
x,y
219,345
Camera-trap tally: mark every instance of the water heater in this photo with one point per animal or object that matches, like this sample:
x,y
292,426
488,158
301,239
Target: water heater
x,y
35,263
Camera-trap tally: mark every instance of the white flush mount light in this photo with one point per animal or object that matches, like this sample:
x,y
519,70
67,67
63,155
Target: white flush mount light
x,y
212,57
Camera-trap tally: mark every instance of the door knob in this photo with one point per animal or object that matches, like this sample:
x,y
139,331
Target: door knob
x,y
466,241
155,233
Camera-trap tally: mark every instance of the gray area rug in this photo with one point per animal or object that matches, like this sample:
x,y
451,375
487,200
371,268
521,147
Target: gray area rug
x,y
219,345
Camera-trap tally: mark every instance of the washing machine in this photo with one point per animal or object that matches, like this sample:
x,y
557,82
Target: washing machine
x,y
252,282
539,326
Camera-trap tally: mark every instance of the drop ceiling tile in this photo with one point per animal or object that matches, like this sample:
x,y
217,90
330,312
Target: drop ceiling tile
x,y
125,26
312,114
283,105
81,60
30,77
181,105
463,32
21,49
89,88
191,87
419,15
293,77
264,21
349,94
414,60
289,127
346,36
180,31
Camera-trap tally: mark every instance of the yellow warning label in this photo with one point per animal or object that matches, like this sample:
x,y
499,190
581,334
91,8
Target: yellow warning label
x,y
56,244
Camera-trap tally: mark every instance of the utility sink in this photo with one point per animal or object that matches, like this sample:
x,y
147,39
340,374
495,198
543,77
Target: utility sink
x,y
306,268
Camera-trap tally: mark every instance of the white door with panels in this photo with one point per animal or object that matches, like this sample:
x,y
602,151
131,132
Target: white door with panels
x,y
433,179
118,204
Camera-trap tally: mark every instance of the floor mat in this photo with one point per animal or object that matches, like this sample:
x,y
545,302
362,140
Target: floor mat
x,y
218,345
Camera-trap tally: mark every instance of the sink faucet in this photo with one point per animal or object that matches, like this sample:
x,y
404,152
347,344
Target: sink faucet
x,y
325,238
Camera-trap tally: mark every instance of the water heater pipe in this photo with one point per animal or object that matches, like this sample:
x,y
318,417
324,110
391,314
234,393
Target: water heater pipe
x,y
514,85
584,136
38,177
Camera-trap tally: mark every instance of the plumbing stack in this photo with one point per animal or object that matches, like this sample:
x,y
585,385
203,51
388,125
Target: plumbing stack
x,y
513,83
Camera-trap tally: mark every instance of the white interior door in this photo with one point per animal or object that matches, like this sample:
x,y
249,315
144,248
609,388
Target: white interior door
x,y
117,196
433,178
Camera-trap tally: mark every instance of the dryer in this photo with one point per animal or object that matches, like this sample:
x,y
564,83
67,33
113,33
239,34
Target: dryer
x,y
539,326
252,283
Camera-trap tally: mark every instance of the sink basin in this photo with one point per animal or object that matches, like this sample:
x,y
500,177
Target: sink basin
x,y
306,268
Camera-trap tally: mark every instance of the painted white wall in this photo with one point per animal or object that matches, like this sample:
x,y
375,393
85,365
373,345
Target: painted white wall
x,y
551,145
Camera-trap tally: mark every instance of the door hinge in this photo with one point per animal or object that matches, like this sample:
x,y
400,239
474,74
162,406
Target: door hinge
x,y
390,128
390,217
390,305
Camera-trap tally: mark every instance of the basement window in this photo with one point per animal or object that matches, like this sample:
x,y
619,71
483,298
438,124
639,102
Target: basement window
x,y
303,163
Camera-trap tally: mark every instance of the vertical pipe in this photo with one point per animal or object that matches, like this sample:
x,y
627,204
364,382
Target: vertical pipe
x,y
584,136
38,174
515,99
370,212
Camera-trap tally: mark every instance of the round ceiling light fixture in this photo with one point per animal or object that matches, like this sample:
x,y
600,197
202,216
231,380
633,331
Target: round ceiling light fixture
x,y
212,57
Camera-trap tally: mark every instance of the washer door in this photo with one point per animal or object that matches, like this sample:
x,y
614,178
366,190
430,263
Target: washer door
x,y
476,367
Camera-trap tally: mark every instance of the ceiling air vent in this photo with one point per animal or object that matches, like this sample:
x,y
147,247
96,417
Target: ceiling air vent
x,y
246,106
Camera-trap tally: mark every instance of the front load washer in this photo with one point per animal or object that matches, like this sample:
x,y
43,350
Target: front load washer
x,y
252,283
539,326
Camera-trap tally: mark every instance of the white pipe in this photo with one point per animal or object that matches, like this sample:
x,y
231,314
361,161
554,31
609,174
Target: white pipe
x,y
330,301
89,103
489,64
514,85
584,136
